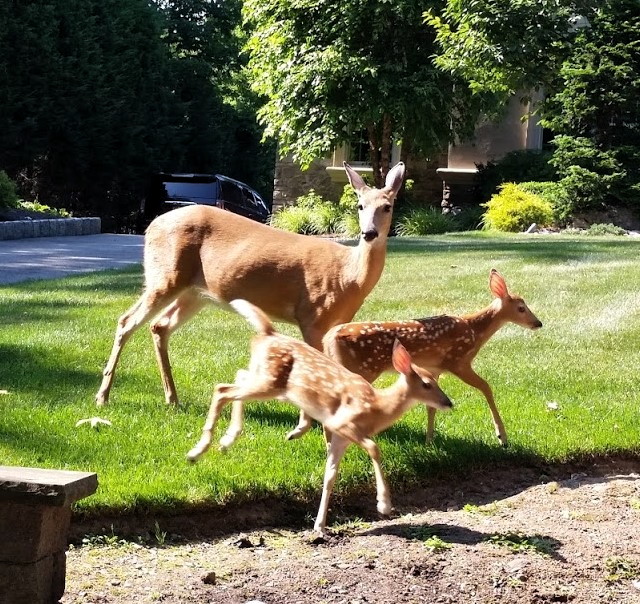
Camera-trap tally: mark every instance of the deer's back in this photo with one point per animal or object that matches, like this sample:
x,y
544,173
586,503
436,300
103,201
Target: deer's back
x,y
234,257
307,377
435,343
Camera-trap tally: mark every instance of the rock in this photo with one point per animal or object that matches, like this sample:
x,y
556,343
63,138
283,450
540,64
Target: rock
x,y
209,578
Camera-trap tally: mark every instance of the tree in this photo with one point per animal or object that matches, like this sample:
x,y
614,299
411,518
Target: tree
x,y
596,111
328,68
95,95
584,55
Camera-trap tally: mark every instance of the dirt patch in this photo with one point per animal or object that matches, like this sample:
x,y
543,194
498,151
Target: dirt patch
x,y
527,535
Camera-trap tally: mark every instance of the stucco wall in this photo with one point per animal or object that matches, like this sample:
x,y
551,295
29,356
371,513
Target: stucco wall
x,y
290,181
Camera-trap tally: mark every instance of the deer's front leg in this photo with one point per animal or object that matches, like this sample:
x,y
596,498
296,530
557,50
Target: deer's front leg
x,y
469,376
334,455
382,490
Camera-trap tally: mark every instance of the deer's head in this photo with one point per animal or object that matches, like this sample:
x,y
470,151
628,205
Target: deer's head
x,y
375,206
422,385
513,309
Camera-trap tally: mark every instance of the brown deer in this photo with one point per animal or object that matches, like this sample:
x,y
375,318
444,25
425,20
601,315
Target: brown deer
x,y
308,281
348,406
440,344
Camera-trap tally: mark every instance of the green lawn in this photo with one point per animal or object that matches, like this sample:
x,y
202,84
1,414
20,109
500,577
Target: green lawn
x,y
56,336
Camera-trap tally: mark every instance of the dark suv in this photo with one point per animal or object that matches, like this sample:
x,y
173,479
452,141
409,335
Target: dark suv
x,y
170,191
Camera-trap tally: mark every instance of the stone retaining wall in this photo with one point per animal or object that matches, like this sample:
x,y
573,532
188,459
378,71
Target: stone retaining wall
x,y
55,227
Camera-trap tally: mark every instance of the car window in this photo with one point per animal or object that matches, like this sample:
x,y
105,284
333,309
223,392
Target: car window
x,y
231,193
249,201
197,192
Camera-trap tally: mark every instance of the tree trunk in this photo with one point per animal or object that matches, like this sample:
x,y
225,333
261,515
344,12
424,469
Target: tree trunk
x,y
385,147
374,153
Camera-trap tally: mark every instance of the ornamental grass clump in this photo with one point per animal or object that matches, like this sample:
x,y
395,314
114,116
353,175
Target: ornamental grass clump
x,y
514,210
421,221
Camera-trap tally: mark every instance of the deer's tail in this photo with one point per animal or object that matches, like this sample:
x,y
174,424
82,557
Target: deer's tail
x,y
253,315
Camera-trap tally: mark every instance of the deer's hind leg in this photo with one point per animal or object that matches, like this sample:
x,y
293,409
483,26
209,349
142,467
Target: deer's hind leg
x,y
183,308
150,303
247,387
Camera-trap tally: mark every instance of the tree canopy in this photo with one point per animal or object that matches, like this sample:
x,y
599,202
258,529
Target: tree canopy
x,y
329,68
97,94
584,55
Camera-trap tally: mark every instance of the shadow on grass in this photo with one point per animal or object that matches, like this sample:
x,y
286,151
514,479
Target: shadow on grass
x,y
49,301
116,281
38,370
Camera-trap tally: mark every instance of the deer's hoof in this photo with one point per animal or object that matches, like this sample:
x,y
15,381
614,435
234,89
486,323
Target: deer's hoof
x,y
384,508
193,455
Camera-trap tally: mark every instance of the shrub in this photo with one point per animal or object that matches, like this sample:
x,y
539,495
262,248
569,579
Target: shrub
x,y
516,166
8,195
420,221
469,218
605,229
35,206
555,193
512,209
314,215
296,219
349,225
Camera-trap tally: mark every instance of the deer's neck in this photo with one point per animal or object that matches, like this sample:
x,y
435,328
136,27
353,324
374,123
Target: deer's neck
x,y
486,322
393,402
366,263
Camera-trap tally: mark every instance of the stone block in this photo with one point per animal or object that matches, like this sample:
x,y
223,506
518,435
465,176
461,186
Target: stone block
x,y
96,226
42,582
28,533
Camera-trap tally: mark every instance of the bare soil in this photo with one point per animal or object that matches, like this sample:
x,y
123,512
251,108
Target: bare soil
x,y
501,535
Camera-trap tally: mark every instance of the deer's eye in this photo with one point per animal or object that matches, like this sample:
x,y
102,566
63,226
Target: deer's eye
x,y
521,309
360,207
427,385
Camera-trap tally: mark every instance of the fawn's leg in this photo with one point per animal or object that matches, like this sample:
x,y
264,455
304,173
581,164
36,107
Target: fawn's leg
x,y
334,455
469,376
383,496
219,400
235,426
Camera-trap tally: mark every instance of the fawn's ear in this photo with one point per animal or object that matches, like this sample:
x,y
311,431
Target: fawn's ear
x,y
401,359
497,284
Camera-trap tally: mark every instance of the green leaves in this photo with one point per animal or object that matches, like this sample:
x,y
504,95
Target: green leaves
x,y
328,68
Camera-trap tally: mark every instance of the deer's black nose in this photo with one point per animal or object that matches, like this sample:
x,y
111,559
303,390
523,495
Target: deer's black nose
x,y
370,235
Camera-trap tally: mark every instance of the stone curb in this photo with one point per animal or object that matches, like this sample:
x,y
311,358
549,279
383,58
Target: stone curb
x,y
55,227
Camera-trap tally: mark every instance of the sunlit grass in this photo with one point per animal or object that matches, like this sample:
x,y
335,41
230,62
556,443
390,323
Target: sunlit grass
x,y
56,336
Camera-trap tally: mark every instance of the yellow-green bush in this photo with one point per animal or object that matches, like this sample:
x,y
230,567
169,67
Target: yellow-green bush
x,y
514,210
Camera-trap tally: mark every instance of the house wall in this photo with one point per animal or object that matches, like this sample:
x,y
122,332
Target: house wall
x,y
492,140
290,182
328,178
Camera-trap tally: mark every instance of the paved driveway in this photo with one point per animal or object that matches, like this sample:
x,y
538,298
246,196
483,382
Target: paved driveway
x,y
52,257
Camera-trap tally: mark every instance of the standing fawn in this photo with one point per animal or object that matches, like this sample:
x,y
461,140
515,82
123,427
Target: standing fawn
x,y
311,282
440,344
346,404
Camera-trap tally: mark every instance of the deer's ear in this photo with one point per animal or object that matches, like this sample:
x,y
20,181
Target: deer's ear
x,y
401,359
497,284
394,179
355,179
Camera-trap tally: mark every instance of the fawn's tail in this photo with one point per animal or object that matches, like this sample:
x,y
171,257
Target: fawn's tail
x,y
253,315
